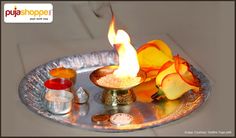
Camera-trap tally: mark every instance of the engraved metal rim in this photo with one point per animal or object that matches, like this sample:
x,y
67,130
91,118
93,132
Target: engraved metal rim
x,y
203,98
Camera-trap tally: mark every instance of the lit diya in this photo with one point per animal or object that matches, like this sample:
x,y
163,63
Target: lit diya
x,y
118,80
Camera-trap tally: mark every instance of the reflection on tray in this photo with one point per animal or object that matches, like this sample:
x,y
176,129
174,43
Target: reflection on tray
x,y
165,107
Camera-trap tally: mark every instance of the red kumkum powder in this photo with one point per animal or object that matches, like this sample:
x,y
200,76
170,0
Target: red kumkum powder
x,y
58,84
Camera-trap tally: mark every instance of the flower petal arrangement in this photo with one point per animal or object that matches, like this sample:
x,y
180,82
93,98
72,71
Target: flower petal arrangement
x,y
152,56
172,73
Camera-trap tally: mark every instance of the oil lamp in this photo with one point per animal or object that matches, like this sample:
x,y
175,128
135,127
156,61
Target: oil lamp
x,y
117,81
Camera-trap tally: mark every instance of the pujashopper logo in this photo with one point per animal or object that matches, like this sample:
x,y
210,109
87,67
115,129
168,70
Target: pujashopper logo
x,y
28,13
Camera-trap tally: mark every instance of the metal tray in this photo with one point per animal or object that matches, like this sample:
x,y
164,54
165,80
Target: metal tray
x,y
146,115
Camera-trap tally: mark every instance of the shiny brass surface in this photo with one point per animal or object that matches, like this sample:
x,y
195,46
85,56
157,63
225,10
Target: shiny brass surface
x,y
118,97
98,73
115,96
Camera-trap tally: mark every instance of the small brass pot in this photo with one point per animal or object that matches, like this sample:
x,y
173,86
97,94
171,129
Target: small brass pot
x,y
115,96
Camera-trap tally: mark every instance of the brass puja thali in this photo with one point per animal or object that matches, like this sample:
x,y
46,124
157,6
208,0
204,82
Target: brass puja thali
x,y
94,114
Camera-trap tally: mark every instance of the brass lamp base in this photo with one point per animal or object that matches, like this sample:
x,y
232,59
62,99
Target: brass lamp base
x,y
115,96
118,97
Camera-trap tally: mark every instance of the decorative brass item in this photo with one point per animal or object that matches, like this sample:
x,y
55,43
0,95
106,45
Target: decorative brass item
x,y
115,96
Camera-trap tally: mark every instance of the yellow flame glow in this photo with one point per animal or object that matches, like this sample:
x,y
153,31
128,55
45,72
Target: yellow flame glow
x,y
128,60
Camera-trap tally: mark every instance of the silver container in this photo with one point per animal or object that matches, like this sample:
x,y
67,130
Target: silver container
x,y
82,95
58,101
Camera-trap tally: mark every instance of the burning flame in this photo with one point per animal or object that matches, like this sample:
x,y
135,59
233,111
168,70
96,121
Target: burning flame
x,y
128,60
